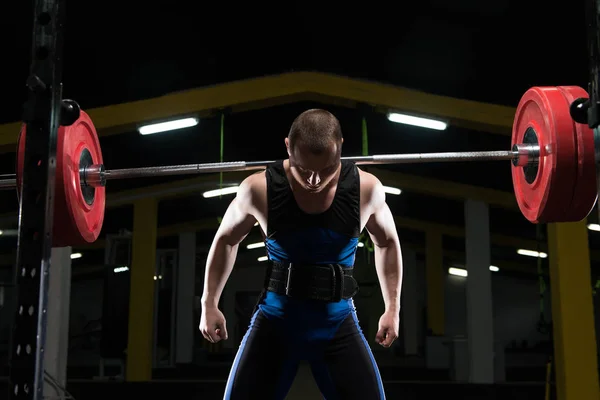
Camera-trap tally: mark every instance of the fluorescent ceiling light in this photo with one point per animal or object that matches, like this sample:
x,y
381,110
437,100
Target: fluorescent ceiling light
x,y
531,253
255,245
263,258
219,192
167,126
464,272
76,255
457,271
417,121
594,227
392,190
120,269
1,232
361,244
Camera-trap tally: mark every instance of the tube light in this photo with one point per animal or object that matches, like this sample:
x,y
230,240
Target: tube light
x,y
594,227
167,126
263,258
76,255
120,269
457,271
531,253
255,245
464,272
417,121
219,192
392,190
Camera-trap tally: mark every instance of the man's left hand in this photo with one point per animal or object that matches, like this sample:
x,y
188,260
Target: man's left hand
x,y
388,328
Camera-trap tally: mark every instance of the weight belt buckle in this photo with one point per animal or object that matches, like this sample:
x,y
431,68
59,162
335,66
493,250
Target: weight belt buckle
x,y
288,279
337,284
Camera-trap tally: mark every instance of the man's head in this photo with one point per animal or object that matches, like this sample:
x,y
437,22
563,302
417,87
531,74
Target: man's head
x,y
314,146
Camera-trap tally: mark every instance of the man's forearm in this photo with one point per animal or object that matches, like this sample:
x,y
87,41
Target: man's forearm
x,y
388,263
219,265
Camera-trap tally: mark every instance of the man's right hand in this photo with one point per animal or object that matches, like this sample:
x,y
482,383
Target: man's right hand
x,y
212,325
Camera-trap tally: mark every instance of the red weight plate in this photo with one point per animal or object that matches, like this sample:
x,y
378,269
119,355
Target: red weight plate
x,y
81,139
544,194
76,221
585,192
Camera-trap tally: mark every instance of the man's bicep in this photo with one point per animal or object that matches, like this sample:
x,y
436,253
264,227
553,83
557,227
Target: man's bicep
x,y
238,220
381,226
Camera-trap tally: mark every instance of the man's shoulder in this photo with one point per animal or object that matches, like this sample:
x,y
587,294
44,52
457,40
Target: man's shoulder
x,y
371,188
368,181
254,182
256,178
253,187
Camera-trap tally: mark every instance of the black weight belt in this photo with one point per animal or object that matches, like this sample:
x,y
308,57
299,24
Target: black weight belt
x,y
325,282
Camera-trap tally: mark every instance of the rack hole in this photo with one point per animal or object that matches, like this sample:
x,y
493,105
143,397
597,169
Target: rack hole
x,y
44,18
41,53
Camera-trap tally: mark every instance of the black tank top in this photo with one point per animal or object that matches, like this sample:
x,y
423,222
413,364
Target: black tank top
x,y
327,237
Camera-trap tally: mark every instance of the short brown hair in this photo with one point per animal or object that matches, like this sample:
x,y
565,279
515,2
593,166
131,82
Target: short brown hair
x,y
315,128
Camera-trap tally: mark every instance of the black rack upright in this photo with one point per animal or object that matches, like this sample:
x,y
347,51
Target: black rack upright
x,y
42,116
593,109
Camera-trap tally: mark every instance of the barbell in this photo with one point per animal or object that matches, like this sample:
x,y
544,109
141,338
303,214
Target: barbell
x,y
553,166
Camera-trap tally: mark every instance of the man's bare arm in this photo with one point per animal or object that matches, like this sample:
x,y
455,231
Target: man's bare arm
x,y
388,253
235,226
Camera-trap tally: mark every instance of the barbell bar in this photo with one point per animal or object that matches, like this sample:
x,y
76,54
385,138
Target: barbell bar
x,y
95,175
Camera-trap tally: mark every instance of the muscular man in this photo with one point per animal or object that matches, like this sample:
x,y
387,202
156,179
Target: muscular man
x,y
312,208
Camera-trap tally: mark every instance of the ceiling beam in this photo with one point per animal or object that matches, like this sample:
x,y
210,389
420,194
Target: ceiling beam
x,y
257,93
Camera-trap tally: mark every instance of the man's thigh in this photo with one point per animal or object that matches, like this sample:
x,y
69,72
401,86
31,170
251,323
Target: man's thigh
x,y
347,369
262,368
